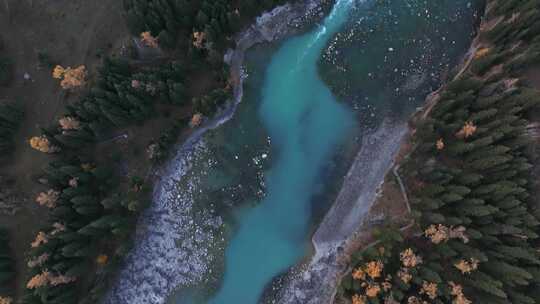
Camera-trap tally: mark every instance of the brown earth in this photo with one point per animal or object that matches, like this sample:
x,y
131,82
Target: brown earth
x,y
391,205
71,33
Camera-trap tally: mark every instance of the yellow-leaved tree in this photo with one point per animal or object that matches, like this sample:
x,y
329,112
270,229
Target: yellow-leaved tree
x,y
69,123
467,131
42,144
6,300
41,238
39,280
198,39
70,77
48,198
148,40
45,278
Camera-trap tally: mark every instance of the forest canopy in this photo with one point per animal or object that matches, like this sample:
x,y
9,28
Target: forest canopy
x,y
471,178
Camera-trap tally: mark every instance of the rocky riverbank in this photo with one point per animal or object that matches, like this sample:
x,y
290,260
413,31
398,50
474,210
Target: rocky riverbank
x,y
176,245
316,281
348,224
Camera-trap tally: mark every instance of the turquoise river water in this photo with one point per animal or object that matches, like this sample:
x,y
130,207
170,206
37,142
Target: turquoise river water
x,y
305,123
268,172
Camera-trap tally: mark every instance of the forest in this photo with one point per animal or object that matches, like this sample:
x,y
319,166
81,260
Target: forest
x,y
92,208
7,272
176,22
10,118
472,182
471,176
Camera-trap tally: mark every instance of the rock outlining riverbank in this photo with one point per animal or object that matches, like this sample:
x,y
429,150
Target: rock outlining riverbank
x,y
173,242
316,281
347,223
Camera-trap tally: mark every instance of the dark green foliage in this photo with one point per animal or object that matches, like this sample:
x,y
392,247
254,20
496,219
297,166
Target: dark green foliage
x,y
11,116
7,265
96,214
90,226
171,20
123,95
166,141
208,104
480,183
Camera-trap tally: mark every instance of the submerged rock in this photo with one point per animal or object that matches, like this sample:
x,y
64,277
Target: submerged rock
x,y
176,246
317,280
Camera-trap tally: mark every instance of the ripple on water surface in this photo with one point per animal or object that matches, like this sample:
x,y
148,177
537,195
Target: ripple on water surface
x,y
305,123
282,138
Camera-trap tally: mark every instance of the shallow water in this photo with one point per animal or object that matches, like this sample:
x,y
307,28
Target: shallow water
x,y
305,123
391,53
272,163
271,171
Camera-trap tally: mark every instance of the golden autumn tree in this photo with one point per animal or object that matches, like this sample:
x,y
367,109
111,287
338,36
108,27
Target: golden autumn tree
x,y
198,39
39,280
48,198
6,300
357,299
467,130
430,289
359,274
58,72
102,259
404,275
196,120
467,267
41,238
148,40
374,269
440,233
45,278
440,144
457,292
69,123
409,259
373,290
42,144
480,53
70,77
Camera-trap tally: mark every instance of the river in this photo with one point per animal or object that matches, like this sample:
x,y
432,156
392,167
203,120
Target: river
x,y
304,123
238,204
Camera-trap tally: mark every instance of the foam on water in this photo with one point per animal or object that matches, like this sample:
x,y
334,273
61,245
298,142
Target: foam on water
x,y
305,123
